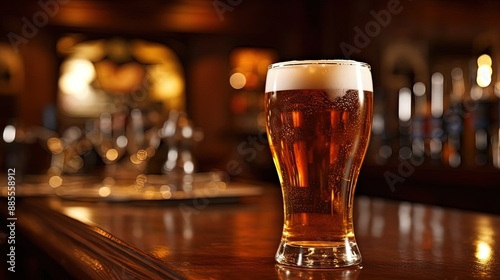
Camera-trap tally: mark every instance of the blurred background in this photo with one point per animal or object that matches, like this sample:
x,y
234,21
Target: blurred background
x,y
89,83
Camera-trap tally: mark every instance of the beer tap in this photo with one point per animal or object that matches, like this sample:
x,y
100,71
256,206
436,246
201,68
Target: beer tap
x,y
454,117
168,133
437,131
418,129
404,114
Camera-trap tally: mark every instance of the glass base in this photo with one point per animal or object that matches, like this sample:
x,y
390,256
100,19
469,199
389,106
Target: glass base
x,y
294,273
318,254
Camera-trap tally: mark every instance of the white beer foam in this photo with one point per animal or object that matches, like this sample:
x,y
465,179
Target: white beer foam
x,y
319,74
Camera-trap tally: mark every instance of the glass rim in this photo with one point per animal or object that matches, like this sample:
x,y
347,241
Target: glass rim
x,y
348,62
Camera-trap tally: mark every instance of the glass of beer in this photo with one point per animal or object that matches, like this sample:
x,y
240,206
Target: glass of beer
x,y
318,121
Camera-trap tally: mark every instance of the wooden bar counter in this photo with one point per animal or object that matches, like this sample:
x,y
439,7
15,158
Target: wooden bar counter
x,y
206,239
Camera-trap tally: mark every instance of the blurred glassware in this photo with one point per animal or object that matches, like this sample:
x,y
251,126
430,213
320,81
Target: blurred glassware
x,y
180,136
16,142
124,141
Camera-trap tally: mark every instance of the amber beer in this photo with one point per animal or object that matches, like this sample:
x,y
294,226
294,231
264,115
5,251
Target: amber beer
x,y
319,116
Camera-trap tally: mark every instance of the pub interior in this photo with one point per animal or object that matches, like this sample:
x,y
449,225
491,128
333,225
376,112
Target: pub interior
x,y
113,90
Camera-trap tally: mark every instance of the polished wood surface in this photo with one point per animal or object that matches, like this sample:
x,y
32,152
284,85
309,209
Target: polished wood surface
x,y
200,239
87,252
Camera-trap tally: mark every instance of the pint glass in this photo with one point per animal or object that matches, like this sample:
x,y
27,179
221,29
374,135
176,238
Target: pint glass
x,y
318,121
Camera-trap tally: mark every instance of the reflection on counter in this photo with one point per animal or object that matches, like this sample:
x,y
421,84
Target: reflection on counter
x,y
424,231
289,273
393,237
